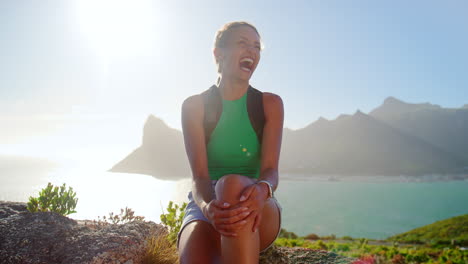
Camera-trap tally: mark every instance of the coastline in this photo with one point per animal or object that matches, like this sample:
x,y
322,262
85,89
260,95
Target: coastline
x,y
375,178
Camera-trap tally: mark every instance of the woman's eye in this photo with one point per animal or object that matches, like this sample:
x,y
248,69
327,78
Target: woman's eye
x,y
242,43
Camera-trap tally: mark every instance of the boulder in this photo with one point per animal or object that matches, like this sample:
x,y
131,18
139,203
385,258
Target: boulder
x,y
46,237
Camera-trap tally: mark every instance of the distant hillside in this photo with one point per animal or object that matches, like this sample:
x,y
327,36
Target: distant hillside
x,y
161,154
446,128
397,138
361,145
455,228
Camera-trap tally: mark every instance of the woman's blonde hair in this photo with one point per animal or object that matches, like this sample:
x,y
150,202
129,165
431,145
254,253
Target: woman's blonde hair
x,y
223,33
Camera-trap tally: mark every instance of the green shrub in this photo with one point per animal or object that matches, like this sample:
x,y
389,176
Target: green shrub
x,y
292,242
342,247
312,237
286,234
54,199
322,245
173,219
330,237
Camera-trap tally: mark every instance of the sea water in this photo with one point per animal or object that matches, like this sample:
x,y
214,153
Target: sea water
x,y
344,208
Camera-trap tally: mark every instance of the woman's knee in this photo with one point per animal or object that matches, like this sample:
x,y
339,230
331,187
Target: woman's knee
x,y
230,186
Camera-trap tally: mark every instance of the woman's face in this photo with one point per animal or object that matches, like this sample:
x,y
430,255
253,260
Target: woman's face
x,y
240,56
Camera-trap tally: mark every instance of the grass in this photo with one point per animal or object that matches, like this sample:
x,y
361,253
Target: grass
x,y
160,250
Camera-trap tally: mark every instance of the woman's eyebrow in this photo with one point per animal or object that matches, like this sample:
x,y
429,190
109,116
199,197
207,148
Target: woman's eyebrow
x,y
244,38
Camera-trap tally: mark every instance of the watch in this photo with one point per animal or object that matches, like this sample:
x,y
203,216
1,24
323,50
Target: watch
x,y
270,187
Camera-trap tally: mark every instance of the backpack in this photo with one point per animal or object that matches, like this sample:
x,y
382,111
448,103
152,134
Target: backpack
x,y
214,107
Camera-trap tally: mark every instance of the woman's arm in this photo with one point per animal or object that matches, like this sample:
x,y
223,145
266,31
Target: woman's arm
x,y
192,128
224,219
255,195
272,137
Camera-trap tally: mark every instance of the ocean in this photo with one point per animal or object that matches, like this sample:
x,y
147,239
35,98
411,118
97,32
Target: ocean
x,y
364,208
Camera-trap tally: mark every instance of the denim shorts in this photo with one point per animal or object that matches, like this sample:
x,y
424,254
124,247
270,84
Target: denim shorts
x,y
194,213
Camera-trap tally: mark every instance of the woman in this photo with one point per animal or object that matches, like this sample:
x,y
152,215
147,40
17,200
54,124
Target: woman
x,y
232,215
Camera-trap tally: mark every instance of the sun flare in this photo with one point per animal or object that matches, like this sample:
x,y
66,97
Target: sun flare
x,y
118,28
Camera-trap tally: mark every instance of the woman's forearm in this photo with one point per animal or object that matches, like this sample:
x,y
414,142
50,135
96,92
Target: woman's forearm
x,y
202,191
270,175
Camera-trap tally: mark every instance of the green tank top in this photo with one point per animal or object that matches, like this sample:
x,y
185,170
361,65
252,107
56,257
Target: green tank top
x,y
234,147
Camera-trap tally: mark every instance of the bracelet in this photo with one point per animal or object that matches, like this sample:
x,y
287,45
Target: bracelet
x,y
270,188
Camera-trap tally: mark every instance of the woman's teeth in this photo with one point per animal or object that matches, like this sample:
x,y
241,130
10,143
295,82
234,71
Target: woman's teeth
x,y
245,64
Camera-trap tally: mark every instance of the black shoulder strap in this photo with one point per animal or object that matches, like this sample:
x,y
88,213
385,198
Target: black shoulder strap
x,y
213,110
214,107
255,110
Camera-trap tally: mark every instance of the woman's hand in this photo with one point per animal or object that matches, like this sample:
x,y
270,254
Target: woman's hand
x,y
254,197
224,218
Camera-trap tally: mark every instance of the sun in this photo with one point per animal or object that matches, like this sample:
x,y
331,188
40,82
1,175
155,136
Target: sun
x,y
119,28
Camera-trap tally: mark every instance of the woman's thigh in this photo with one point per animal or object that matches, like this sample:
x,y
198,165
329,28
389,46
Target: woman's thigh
x,y
199,243
270,225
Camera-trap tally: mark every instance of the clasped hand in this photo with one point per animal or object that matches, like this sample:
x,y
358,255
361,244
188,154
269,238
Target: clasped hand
x,y
227,219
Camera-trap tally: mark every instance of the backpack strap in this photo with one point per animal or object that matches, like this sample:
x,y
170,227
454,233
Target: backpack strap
x,y
255,110
214,107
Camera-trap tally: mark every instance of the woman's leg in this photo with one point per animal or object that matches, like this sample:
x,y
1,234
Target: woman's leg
x,y
199,243
246,246
270,225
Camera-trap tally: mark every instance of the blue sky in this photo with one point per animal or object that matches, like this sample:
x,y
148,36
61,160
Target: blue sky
x,y
71,66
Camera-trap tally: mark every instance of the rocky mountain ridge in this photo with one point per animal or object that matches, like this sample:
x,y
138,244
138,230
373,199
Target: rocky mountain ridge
x,y
396,138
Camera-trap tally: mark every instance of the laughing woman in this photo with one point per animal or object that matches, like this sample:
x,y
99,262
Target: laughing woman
x,y
232,135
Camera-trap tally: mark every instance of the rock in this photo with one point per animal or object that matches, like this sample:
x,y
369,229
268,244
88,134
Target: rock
x,y
298,255
46,237
11,208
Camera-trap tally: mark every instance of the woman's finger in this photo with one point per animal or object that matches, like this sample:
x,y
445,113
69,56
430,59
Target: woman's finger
x,y
227,213
247,192
232,227
234,219
221,204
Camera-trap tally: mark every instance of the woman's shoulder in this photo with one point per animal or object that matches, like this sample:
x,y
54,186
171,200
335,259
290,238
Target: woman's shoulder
x,y
192,103
271,99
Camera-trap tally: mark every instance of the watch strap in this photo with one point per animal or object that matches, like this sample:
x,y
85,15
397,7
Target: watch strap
x,y
270,188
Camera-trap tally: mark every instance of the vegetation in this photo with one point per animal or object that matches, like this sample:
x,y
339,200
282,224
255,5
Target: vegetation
x,y
286,234
160,250
54,199
383,254
452,231
173,219
443,242
126,215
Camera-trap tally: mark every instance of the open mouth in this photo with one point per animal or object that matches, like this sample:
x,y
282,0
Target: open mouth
x,y
246,64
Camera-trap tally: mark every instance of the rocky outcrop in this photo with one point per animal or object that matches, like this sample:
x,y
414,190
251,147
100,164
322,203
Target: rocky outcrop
x,y
46,237
297,255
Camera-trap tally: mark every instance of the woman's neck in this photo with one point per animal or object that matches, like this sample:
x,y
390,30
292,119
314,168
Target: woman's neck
x,y
231,89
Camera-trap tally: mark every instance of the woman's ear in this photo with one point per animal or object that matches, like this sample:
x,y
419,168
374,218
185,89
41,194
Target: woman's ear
x,y
217,53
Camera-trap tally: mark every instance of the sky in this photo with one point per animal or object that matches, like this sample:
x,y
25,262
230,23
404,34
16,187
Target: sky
x,y
88,73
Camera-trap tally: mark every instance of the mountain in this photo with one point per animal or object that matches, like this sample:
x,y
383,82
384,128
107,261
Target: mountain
x,y
161,154
455,228
446,128
361,145
396,138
